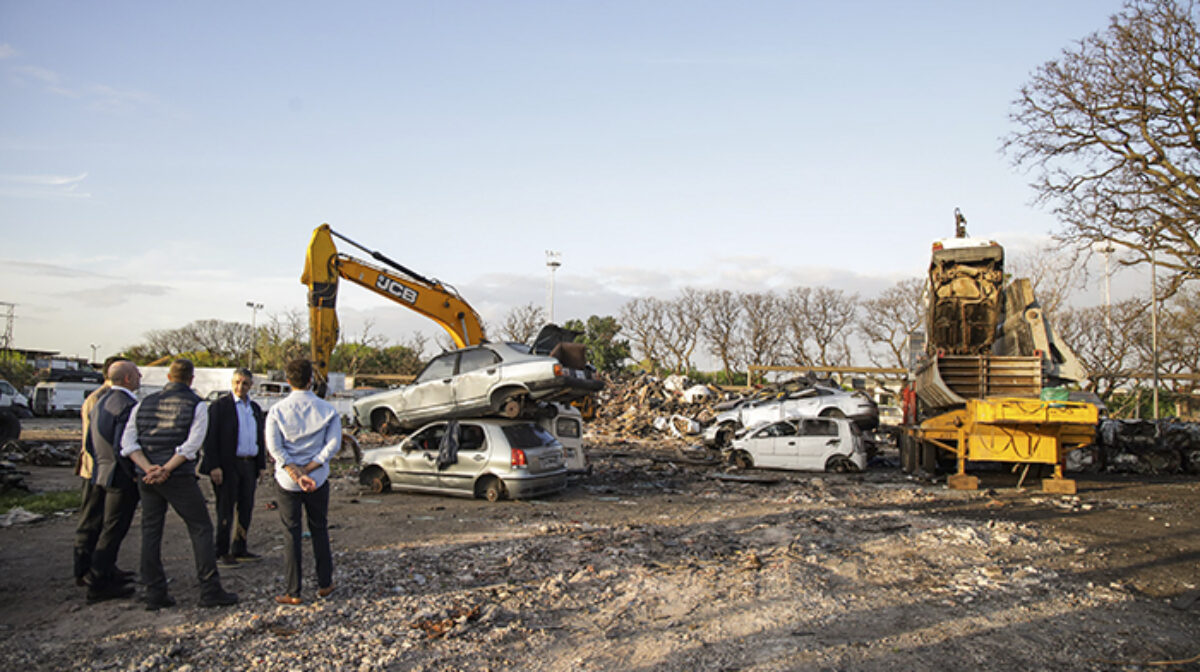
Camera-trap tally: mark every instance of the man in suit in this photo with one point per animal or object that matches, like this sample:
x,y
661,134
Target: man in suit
x,y
234,458
164,437
112,475
91,508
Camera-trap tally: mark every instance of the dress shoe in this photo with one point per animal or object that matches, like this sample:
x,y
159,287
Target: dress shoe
x,y
326,591
288,600
247,556
227,560
156,603
218,598
111,591
124,575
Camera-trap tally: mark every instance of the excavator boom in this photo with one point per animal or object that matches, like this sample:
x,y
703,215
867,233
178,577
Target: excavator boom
x,y
324,266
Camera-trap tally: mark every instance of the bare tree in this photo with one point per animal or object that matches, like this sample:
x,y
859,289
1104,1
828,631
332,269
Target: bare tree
x,y
761,336
887,319
1111,127
643,319
720,324
282,338
1106,343
818,321
683,318
1179,340
1051,271
223,340
522,323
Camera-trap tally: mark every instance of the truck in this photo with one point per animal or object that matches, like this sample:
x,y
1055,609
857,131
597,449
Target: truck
x,y
990,384
13,406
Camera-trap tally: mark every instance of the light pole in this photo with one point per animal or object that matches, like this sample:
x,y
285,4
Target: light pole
x,y
1154,312
254,308
94,349
553,261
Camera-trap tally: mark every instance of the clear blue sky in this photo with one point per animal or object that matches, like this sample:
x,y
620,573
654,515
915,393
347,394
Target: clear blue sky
x,y
165,162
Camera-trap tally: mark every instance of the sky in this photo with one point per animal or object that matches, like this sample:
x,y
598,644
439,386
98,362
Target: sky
x,y
167,162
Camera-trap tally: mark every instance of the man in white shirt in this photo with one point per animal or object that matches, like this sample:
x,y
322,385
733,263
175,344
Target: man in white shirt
x,y
303,433
163,437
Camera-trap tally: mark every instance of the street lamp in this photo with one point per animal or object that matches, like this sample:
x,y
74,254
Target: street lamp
x,y
94,349
1154,311
553,261
254,308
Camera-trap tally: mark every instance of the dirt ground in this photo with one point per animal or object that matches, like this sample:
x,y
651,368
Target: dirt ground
x,y
651,563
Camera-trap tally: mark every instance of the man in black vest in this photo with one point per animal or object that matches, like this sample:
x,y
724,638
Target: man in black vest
x,y
234,458
114,476
163,437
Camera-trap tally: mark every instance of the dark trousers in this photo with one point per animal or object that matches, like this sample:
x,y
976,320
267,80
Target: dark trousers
x,y
120,503
182,493
87,532
236,491
316,507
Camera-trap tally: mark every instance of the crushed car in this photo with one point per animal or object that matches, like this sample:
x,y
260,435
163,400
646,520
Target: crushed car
x,y
484,458
505,379
813,401
805,444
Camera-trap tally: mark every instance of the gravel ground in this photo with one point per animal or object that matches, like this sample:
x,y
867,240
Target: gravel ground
x,y
650,563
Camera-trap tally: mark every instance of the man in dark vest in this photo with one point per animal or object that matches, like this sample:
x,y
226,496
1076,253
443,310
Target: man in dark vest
x,y
234,458
114,476
163,437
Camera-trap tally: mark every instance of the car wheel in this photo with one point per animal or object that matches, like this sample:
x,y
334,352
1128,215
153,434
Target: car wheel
x,y
840,464
832,413
725,435
376,480
494,490
511,408
383,421
743,460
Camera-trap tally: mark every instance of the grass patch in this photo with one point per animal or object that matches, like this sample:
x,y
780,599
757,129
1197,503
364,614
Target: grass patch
x,y
43,502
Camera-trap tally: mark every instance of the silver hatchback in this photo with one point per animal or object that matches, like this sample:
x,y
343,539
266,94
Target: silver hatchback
x,y
487,458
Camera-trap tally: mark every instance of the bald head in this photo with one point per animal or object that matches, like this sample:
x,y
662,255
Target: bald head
x,y
126,374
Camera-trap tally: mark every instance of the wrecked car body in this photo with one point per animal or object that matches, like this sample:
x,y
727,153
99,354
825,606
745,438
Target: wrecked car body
x,y
810,402
483,458
806,444
505,379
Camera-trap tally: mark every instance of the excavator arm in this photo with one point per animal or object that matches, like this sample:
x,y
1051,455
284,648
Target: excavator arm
x,y
324,266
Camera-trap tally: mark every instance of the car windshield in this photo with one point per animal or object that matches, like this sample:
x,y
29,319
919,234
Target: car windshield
x,y
527,435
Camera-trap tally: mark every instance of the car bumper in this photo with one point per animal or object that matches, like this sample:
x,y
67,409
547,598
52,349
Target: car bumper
x,y
866,421
533,486
565,388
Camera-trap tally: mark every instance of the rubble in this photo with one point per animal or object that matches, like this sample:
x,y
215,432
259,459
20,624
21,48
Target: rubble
x,y
41,454
1141,447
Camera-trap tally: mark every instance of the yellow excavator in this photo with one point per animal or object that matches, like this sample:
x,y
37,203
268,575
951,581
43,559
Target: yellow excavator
x,y
324,266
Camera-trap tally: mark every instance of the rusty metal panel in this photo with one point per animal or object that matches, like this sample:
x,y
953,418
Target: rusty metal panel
x,y
951,380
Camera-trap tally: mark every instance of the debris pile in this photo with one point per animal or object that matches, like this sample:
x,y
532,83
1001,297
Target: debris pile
x,y
12,478
646,405
1147,447
41,454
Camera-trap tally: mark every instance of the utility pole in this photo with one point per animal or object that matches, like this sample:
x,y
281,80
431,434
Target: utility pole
x,y
94,348
553,261
1154,311
7,336
254,308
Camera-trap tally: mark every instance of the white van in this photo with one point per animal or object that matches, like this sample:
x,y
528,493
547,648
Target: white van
x,y
567,427
61,397
12,399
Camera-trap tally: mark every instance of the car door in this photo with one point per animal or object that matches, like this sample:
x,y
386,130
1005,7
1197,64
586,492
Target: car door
x,y
785,446
818,439
471,459
478,373
432,393
416,464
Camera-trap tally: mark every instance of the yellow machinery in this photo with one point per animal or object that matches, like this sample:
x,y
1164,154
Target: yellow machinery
x,y
1021,431
324,266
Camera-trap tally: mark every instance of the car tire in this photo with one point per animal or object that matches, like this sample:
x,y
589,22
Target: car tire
x,y
840,464
383,421
742,460
493,491
376,480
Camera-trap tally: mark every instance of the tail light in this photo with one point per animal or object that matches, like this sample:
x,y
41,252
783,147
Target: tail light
x,y
558,370
518,458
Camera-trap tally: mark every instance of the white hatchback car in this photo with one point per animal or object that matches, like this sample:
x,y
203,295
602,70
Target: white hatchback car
x,y
485,458
806,444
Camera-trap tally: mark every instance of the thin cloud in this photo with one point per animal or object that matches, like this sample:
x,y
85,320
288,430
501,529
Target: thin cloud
x,y
113,295
6,51
100,97
43,270
43,186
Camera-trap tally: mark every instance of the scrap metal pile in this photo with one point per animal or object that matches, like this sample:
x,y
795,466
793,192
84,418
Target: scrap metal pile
x,y
1142,447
